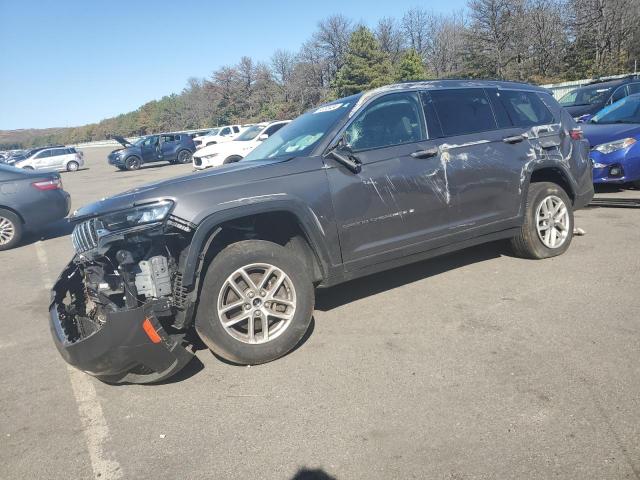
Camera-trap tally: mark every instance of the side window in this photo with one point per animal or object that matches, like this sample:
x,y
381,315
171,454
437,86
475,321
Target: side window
x,y
43,154
525,108
235,129
618,94
463,111
390,120
502,117
58,151
225,131
434,130
633,88
274,128
150,142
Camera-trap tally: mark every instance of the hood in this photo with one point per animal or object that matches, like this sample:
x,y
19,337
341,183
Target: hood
x,y
220,148
599,134
178,187
122,141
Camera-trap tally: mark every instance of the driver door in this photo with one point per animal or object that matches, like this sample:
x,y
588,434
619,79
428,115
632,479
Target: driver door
x,y
399,199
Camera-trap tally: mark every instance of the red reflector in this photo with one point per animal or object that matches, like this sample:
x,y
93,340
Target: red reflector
x,y
147,326
576,134
52,184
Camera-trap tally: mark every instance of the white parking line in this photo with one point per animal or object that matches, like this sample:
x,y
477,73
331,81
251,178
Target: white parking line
x,y
94,425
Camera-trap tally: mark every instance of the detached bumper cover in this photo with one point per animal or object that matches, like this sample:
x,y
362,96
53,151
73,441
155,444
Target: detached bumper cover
x,y
119,351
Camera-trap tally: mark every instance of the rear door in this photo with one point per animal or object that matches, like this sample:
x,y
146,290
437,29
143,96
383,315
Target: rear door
x,y
58,158
169,147
482,155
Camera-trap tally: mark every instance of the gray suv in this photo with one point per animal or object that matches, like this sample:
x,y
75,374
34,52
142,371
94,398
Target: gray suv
x,y
362,184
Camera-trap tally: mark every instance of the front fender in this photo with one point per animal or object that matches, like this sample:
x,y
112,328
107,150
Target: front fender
x,y
244,207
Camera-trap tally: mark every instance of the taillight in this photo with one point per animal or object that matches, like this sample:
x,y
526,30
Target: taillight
x,y
51,184
576,134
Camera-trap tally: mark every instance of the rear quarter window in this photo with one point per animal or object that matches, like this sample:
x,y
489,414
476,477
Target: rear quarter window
x,y
463,111
526,109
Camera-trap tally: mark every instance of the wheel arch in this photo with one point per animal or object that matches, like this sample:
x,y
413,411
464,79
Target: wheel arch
x,y
15,212
302,232
549,172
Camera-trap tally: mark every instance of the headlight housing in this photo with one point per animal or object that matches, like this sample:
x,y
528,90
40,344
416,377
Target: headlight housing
x,y
144,214
208,157
614,146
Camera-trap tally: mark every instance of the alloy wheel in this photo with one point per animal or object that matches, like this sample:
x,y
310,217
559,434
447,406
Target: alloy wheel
x,y
257,303
7,231
552,221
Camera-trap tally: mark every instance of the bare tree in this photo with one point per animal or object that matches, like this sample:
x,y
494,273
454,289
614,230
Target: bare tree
x,y
415,25
390,38
332,39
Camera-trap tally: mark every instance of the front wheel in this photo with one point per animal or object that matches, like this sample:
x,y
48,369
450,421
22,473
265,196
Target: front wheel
x,y
256,302
548,223
132,163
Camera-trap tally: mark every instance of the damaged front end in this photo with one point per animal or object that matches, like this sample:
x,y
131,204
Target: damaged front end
x,y
119,310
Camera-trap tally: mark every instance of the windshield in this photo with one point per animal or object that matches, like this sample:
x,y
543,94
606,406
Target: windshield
x,y
300,136
250,133
585,96
626,110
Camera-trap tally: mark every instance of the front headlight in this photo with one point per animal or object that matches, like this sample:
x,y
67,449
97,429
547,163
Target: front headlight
x,y
613,146
152,213
209,157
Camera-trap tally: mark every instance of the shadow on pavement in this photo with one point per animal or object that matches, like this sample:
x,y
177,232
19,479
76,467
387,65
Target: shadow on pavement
x,y
365,287
316,474
59,228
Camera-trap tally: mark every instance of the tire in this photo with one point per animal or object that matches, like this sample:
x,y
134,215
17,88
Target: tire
x,y
535,244
73,166
132,163
636,184
11,229
184,156
232,159
285,328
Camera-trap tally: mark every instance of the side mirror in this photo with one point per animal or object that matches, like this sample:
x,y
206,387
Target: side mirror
x,y
263,137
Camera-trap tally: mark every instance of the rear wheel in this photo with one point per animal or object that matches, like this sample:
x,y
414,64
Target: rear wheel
x,y
184,156
256,303
72,166
10,229
548,224
132,163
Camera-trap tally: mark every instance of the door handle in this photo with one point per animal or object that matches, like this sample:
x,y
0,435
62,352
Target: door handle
x,y
428,153
514,139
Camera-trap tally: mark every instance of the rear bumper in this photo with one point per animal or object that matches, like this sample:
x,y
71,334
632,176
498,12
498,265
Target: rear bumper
x,y
119,350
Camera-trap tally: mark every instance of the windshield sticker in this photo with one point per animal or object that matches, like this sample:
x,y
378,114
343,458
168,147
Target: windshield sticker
x,y
330,108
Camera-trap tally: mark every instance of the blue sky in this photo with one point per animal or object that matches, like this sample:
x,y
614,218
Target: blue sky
x,y
67,63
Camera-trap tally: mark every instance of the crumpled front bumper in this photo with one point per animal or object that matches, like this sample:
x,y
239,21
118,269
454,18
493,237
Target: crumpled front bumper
x,y
121,350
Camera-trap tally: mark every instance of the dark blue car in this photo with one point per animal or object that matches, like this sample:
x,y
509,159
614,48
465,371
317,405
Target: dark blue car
x,y
614,134
166,147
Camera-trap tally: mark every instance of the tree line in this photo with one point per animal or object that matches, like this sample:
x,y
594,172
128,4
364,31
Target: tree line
x,y
538,41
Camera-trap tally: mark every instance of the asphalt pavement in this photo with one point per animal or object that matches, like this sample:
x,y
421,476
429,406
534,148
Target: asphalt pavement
x,y
476,365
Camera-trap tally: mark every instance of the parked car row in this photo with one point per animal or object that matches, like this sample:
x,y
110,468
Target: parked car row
x,y
29,200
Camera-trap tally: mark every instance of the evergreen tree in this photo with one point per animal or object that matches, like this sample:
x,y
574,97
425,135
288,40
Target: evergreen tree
x,y
366,66
410,67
